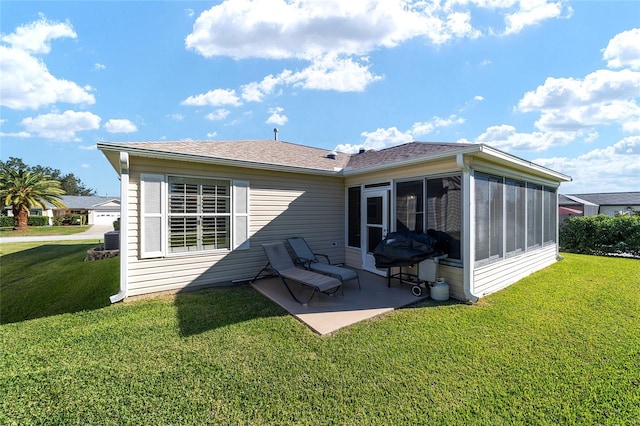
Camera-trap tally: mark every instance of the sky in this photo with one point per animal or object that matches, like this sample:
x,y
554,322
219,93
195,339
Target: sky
x,y
555,82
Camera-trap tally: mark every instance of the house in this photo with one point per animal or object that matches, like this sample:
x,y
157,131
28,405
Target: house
x,y
96,209
195,213
570,206
606,203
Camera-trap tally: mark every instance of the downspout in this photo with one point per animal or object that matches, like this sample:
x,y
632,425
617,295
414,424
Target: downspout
x,y
468,246
124,226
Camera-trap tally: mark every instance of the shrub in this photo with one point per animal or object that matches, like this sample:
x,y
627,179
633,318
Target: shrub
x,y
116,224
6,221
601,235
38,221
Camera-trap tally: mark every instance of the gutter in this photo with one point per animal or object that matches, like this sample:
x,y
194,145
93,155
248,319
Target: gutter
x,y
124,229
467,267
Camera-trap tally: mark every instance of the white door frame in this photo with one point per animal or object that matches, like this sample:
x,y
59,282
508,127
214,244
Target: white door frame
x,y
379,198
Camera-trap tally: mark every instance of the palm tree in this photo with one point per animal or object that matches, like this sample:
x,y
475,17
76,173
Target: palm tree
x,y
23,189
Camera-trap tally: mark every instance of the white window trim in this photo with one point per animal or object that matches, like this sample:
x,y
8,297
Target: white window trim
x,y
239,214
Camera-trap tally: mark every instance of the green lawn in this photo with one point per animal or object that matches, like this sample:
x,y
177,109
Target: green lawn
x,y
33,231
560,347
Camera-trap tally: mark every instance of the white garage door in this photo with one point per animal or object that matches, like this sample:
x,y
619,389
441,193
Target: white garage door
x,y
104,218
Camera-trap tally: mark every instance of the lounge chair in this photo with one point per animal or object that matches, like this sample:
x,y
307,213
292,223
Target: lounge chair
x,y
282,265
306,257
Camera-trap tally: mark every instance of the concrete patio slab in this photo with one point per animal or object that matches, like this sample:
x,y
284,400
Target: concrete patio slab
x,y
326,314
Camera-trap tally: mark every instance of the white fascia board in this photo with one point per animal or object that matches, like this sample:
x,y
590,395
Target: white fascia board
x,y
508,159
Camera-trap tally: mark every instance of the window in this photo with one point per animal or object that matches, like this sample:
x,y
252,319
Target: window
x,y
199,214
489,222
353,216
188,214
410,206
444,212
534,215
515,216
438,211
512,217
549,213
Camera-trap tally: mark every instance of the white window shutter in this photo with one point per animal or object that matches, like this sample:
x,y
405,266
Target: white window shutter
x,y
240,215
152,215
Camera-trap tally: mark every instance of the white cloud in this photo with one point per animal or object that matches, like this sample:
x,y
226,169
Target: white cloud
x,y
386,138
120,126
85,166
256,91
623,50
426,127
212,134
26,82
35,37
176,117
507,138
601,98
219,114
93,147
15,135
331,72
61,126
279,29
99,66
532,12
610,169
216,97
277,117
335,35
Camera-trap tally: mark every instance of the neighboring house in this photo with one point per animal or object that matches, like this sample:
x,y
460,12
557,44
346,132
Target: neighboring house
x,y
98,210
607,203
570,206
195,214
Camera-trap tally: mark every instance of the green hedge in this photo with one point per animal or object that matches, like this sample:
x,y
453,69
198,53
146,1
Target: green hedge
x,y
601,235
7,221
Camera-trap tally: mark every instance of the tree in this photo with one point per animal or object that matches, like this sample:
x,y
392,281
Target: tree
x,y
69,182
23,189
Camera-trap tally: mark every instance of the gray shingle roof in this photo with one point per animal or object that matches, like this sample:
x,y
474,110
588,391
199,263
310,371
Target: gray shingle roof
x,y
84,202
254,151
401,153
287,154
611,198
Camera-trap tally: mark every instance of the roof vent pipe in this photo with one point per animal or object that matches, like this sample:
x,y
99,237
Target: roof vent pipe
x,y
332,155
362,151
275,134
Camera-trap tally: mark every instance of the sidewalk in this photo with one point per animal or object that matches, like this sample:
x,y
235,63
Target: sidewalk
x,y
96,232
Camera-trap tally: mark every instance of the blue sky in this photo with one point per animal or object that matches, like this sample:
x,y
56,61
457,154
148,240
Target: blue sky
x,y
555,82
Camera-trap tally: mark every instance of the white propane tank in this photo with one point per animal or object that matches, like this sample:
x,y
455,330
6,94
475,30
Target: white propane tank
x,y
440,290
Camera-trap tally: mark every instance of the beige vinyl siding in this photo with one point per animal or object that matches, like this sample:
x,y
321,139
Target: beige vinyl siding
x,y
281,205
419,170
496,276
455,278
353,257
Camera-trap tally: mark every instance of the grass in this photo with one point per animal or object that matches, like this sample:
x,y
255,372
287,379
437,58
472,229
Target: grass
x,y
33,231
559,347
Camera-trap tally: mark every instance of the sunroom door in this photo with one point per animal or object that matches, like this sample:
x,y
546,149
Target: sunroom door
x,y
376,226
